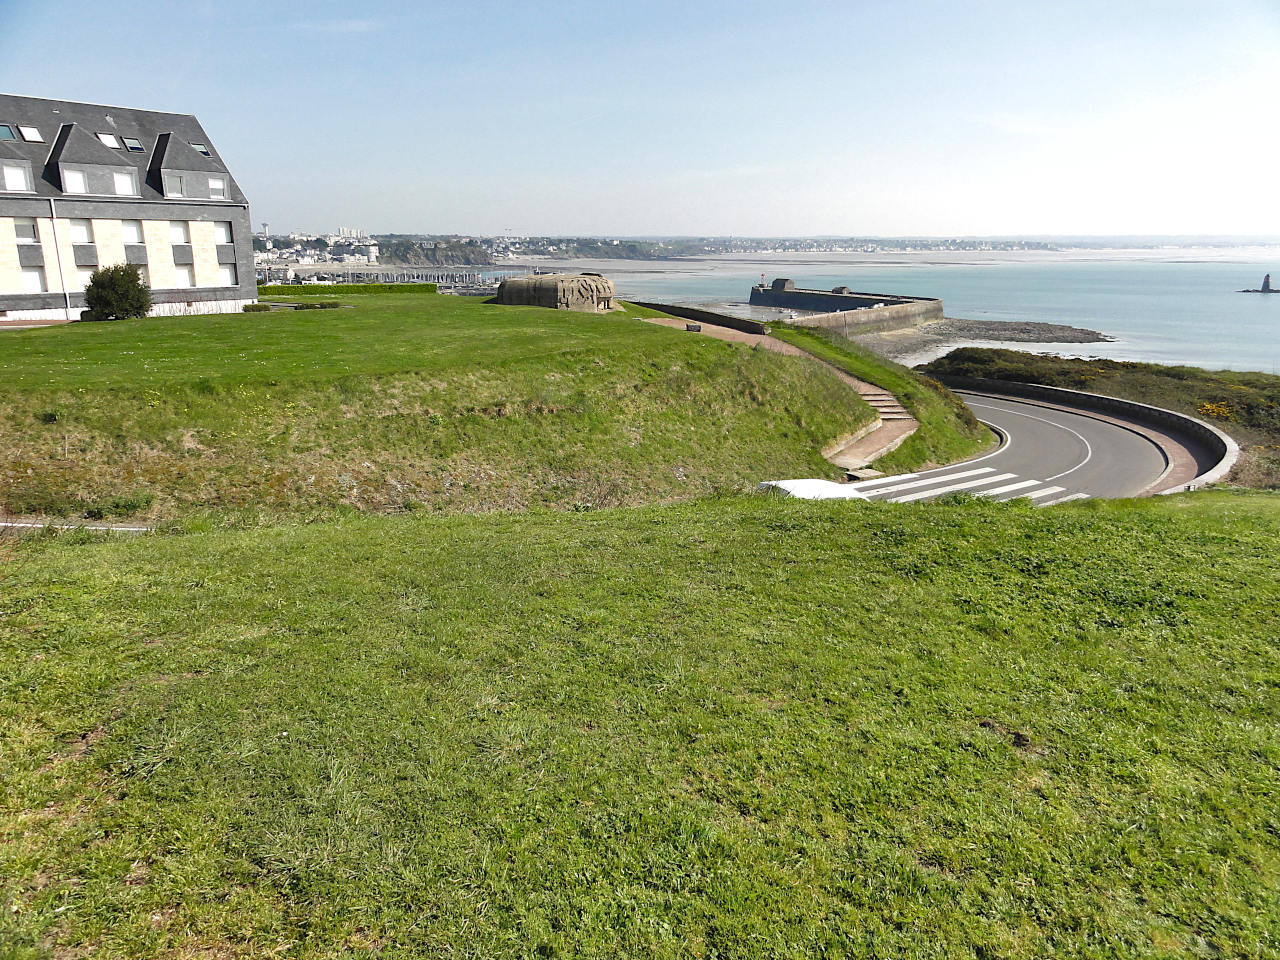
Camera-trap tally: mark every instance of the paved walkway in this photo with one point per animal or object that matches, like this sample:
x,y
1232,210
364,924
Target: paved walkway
x,y
893,424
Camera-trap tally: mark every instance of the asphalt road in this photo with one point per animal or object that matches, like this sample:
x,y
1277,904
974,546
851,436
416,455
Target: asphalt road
x,y
1050,455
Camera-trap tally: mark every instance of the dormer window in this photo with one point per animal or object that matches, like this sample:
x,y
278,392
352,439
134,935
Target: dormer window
x,y
174,185
74,181
30,134
133,145
201,149
126,183
16,177
217,188
110,140
6,132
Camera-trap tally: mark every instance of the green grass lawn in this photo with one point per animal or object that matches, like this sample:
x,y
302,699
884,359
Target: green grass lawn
x,y
948,430
407,402
736,727
1245,404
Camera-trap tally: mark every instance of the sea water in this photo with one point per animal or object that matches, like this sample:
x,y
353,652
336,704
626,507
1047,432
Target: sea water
x,y
1172,307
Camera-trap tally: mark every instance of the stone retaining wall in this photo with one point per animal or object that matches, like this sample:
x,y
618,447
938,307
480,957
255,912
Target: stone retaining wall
x,y
706,316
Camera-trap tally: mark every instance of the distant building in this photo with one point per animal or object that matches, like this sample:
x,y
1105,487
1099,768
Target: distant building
x,y
587,292
84,186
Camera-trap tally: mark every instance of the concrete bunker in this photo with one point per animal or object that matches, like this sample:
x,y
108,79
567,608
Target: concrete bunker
x,y
584,292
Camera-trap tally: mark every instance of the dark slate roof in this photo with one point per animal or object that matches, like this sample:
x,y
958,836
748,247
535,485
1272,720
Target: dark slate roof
x,y
174,153
73,145
148,126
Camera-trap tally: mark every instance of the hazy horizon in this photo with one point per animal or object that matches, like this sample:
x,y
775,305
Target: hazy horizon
x,y
981,119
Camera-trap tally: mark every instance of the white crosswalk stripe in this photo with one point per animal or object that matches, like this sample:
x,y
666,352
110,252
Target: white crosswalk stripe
x,y
1074,496
1009,488
927,481
912,487
951,488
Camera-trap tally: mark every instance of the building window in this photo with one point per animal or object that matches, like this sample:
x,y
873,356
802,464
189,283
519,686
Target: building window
x,y
110,139
24,228
16,177
142,272
173,185
6,132
81,231
131,231
30,134
217,188
179,232
133,145
222,231
84,275
126,183
201,149
33,280
182,277
227,275
74,181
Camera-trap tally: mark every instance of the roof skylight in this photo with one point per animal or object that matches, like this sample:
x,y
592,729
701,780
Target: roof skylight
x,y
133,145
6,132
30,134
110,139
201,148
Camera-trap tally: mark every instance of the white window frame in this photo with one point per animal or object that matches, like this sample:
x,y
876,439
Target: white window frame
x,y
35,231
30,134
220,192
183,271
83,276
131,176
69,174
232,278
124,226
144,273
172,179
81,230
34,273
11,169
222,233
130,147
179,232
109,140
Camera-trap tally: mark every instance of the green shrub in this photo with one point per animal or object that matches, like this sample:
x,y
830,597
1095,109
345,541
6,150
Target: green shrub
x,y
117,293
257,307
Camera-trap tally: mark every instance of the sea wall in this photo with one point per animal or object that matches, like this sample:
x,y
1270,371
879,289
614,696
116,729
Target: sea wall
x,y
892,316
841,308
1215,452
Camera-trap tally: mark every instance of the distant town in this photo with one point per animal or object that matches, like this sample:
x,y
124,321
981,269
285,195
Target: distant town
x,y
349,251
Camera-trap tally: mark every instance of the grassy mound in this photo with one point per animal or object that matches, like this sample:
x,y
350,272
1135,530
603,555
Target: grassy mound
x,y
948,430
402,402
1244,404
741,727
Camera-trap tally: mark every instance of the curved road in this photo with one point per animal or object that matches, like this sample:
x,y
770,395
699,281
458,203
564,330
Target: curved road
x,y
1050,454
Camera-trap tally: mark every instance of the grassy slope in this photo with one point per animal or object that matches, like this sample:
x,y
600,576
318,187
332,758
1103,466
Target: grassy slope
x,y
738,728
948,430
1244,404
404,401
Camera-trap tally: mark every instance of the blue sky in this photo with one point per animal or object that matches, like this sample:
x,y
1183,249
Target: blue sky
x,y
662,117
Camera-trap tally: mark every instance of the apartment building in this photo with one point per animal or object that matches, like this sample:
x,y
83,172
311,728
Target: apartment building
x,y
84,186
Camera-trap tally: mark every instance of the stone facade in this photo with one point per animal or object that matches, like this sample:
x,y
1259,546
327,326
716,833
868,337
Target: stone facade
x,y
585,292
